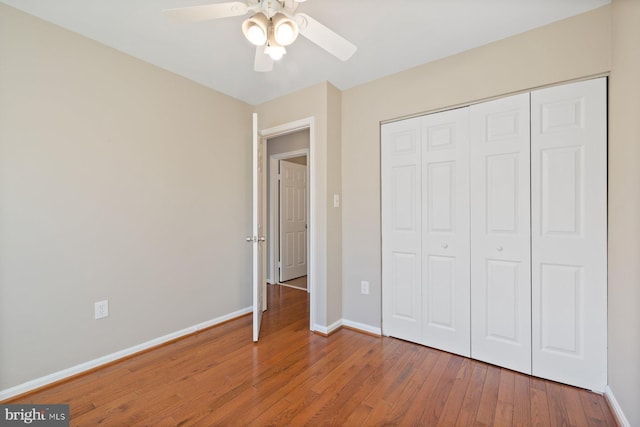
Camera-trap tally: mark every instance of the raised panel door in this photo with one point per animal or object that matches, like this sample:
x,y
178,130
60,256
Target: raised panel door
x,y
401,230
569,233
293,220
500,233
445,230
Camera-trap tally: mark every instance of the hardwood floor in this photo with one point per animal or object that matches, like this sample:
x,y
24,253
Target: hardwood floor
x,y
299,283
294,377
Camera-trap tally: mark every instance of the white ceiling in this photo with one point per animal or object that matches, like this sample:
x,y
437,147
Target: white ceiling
x,y
391,36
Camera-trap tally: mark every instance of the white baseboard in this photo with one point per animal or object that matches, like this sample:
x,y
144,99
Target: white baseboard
x,y
74,370
326,330
617,410
362,327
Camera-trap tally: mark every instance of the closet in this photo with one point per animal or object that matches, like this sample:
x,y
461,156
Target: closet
x,y
494,232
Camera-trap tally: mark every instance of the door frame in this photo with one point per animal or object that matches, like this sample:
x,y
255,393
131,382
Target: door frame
x,y
285,129
274,199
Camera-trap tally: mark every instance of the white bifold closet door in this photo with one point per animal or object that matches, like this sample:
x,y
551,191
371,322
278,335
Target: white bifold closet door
x,y
445,231
569,233
494,232
500,233
425,218
401,245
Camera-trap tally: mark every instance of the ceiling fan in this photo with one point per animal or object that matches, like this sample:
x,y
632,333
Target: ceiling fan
x,y
272,26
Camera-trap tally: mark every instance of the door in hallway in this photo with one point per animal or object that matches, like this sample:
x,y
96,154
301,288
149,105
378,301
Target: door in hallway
x,y
293,220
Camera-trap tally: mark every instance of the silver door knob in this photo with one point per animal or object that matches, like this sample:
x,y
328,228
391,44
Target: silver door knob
x,y
250,239
261,239
499,248
444,245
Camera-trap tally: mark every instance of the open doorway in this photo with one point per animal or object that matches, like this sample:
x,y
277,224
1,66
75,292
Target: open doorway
x,y
288,209
267,134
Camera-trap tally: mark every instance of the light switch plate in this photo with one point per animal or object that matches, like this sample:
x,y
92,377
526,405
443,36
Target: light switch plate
x,y
364,287
101,309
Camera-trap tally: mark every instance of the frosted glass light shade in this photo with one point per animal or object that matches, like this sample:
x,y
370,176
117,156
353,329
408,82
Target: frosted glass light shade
x,y
275,52
285,30
255,35
255,29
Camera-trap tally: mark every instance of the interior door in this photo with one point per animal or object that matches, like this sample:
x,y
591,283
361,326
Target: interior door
x,y
293,220
445,230
401,230
500,233
569,233
258,229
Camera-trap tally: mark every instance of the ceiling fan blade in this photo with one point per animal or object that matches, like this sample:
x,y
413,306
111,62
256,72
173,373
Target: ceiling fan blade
x,y
262,62
207,11
333,43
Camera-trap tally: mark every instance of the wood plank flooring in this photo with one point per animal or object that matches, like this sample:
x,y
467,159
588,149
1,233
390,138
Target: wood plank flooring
x,y
294,377
299,283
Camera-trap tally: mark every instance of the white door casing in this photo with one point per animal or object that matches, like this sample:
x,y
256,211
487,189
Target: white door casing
x,y
569,233
445,230
258,229
401,238
293,220
500,233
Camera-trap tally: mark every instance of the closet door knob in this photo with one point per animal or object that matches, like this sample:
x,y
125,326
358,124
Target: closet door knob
x,y
499,249
444,245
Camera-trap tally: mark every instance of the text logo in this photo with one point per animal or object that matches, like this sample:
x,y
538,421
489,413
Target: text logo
x,y
34,415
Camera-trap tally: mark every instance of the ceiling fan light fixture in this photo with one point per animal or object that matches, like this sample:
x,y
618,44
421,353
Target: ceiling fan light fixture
x,y
285,30
255,29
275,52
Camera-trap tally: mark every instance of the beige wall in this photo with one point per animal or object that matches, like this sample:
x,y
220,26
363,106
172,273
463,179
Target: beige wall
x,y
324,158
289,142
118,180
334,214
574,48
624,208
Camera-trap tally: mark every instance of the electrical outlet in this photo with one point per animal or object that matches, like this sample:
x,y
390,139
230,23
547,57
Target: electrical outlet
x,y
364,287
336,200
101,309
